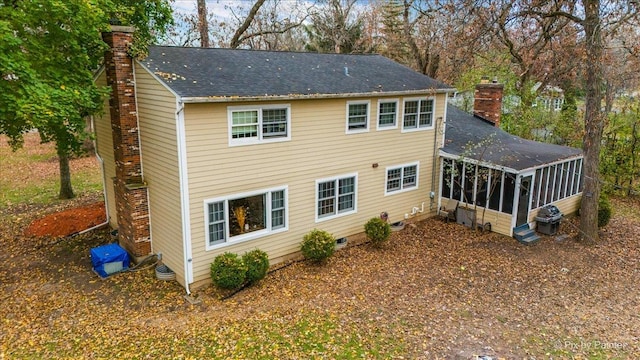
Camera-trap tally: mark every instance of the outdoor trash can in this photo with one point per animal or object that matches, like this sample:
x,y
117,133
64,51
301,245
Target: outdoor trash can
x,y
109,259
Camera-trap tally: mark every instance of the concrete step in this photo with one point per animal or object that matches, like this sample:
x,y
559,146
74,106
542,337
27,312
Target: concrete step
x,y
525,235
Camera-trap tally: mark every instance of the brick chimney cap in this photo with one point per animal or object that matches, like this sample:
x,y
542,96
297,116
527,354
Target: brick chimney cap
x,y
123,29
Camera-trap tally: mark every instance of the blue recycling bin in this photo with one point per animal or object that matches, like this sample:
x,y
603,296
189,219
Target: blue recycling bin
x,y
109,259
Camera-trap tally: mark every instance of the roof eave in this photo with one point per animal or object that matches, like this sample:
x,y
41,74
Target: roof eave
x,y
226,99
443,153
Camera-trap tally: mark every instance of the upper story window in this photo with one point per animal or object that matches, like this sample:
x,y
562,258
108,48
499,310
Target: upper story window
x,y
336,196
245,216
401,178
357,116
418,114
387,114
257,124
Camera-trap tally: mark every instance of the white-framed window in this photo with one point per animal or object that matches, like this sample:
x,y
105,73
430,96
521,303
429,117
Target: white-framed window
x,y
401,178
418,114
336,196
245,216
357,116
557,104
387,114
259,124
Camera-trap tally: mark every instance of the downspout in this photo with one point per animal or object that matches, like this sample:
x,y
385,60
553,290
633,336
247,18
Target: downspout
x,y
434,165
184,195
104,184
432,194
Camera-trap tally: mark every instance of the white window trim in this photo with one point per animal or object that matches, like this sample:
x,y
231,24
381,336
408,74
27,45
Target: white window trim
x,y
254,234
368,125
259,139
419,128
337,214
397,118
401,166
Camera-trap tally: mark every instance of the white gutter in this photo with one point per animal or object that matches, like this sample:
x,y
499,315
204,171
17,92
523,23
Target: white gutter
x,y
228,99
481,163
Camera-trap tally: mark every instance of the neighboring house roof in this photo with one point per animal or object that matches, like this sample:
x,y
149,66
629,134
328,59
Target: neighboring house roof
x,y
502,148
210,72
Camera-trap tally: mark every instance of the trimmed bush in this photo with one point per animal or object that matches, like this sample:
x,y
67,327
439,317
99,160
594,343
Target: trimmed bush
x,y
377,230
257,262
604,210
228,271
318,245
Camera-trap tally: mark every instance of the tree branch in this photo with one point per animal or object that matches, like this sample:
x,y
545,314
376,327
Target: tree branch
x,y
235,41
268,32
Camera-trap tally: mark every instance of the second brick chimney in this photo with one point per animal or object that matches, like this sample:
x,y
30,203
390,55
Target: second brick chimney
x,y
130,190
487,102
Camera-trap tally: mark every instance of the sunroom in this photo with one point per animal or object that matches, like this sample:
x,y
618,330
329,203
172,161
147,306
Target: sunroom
x,y
500,181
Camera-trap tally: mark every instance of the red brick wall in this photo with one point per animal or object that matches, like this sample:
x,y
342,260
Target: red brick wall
x,y
130,191
487,102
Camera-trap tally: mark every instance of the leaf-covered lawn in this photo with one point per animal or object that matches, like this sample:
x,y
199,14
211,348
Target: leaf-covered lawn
x,y
435,291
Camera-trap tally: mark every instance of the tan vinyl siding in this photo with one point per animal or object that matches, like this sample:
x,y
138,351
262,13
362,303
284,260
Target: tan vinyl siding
x,y
104,148
157,120
500,222
566,206
570,205
319,148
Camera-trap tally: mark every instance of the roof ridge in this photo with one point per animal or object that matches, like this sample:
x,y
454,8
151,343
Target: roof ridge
x,y
262,50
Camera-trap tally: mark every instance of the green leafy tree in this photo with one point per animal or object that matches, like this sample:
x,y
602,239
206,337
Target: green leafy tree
x,y
395,46
619,159
49,51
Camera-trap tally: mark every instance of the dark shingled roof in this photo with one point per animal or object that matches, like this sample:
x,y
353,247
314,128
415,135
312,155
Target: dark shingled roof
x,y
502,149
209,72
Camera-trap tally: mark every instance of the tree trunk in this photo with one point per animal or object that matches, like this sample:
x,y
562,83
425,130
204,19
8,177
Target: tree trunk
x,y
66,191
203,25
593,122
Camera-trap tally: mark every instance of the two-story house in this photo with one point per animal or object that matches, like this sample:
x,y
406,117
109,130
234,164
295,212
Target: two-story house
x,y
206,151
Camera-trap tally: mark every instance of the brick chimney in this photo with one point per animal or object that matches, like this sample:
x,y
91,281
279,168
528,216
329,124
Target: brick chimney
x,y
487,102
130,190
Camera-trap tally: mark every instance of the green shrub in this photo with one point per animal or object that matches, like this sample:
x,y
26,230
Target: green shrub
x,y
318,245
228,271
377,230
257,262
604,210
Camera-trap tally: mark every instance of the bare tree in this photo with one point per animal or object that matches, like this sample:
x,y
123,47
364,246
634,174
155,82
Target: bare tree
x,y
203,24
270,26
589,17
337,27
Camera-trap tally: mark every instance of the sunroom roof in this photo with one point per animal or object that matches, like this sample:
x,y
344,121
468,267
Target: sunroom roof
x,y
472,137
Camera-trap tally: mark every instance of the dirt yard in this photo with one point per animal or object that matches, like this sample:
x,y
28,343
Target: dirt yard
x,y
435,291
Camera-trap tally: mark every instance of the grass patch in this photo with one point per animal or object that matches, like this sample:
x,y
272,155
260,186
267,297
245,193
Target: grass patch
x,y
30,175
295,336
